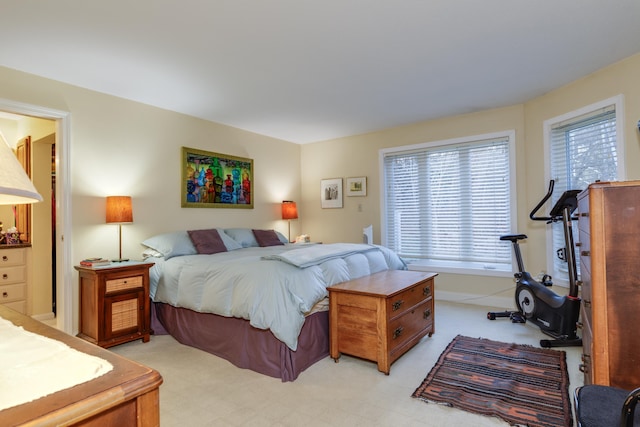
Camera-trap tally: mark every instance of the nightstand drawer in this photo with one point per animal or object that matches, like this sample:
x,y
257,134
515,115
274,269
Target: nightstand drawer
x,y
13,275
15,292
13,257
124,283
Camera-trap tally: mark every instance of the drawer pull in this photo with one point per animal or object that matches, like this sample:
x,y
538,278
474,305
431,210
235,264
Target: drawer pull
x,y
5,258
5,294
427,313
584,214
578,244
5,276
585,253
397,305
427,291
397,332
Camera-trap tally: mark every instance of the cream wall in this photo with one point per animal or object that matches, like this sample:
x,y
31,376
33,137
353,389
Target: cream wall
x,y
122,147
359,156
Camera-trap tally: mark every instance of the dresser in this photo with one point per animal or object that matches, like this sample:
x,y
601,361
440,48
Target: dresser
x,y
609,248
114,303
126,396
15,290
381,316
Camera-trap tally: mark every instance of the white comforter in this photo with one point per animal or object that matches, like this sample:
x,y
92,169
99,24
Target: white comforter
x,y
252,284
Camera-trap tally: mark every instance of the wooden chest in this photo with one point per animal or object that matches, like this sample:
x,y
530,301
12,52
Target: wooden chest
x,y
381,316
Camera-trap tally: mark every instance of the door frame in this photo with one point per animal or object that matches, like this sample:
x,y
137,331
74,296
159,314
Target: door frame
x,y
64,273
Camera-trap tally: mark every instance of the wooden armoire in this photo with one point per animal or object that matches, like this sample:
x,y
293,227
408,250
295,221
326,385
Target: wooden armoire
x,y
609,248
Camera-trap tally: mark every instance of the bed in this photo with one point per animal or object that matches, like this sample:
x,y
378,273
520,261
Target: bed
x,y
250,297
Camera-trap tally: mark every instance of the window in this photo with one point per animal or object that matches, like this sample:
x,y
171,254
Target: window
x,y
583,146
447,203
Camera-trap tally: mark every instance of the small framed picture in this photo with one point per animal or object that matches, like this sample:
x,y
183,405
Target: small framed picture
x,y
331,193
357,186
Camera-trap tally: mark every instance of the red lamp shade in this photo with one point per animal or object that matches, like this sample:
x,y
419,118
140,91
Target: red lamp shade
x,y
289,210
119,209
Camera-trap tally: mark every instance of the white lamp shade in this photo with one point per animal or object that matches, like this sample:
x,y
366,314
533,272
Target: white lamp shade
x,y
15,186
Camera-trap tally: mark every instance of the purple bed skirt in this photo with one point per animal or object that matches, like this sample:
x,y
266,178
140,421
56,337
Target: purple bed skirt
x,y
243,345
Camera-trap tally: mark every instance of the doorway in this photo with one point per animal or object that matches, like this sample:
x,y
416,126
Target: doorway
x,y
61,223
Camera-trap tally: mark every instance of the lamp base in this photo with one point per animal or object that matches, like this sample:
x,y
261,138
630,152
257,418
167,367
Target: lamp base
x,y
120,260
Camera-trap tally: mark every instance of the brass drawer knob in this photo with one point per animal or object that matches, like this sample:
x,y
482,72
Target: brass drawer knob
x,y
397,305
585,253
5,258
397,332
584,214
427,291
427,313
5,276
5,294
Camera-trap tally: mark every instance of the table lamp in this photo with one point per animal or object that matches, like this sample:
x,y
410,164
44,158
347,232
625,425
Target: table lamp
x,y
289,212
119,212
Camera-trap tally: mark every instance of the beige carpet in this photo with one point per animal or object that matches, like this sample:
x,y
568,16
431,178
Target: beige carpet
x,y
203,390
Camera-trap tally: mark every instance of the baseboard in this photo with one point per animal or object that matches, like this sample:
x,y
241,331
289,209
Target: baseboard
x,y
506,303
44,316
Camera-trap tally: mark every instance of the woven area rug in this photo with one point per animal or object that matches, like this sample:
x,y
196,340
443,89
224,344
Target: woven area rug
x,y
521,384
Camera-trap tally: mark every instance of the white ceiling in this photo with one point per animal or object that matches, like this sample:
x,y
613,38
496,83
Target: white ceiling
x,y
310,70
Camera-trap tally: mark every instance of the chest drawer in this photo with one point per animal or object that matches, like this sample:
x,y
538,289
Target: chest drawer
x,y
410,324
13,275
408,298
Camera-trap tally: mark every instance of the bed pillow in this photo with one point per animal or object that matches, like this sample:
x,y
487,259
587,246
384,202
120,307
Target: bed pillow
x,y
244,236
282,237
267,238
207,241
231,244
171,244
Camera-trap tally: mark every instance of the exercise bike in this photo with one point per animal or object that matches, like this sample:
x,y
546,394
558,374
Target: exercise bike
x,y
557,316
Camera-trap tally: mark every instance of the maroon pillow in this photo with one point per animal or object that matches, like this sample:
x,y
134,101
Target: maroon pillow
x,y
207,241
267,238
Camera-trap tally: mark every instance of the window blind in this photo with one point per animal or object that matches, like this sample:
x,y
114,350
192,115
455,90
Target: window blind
x,y
583,149
450,203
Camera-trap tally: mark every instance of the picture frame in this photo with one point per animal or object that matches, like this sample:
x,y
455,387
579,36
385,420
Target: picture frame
x,y
331,193
357,186
214,180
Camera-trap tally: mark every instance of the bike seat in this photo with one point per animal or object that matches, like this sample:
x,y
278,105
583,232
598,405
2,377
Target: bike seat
x,y
513,237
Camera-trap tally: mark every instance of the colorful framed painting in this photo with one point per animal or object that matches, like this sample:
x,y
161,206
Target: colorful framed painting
x,y
213,180
331,193
357,186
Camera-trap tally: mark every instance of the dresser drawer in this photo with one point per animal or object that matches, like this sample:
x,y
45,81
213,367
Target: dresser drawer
x,y
408,298
410,324
123,284
13,257
587,347
13,275
584,222
11,293
19,306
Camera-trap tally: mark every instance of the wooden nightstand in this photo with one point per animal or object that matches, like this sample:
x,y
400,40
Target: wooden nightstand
x,y
114,303
381,316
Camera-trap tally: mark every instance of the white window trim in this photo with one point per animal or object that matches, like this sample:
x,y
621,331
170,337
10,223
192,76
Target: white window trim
x,y
472,268
618,101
